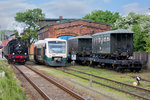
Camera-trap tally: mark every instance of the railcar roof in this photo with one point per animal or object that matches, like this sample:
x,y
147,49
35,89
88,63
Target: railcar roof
x,y
47,39
84,36
39,42
119,31
54,39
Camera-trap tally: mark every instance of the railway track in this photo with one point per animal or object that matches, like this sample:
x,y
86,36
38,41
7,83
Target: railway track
x,y
119,86
47,87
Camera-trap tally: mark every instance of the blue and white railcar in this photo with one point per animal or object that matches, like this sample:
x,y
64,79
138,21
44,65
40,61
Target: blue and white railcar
x,y
51,51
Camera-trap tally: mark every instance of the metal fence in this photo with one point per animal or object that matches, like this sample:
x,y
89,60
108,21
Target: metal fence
x,y
144,57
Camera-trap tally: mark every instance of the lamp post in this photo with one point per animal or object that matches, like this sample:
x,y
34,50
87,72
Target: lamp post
x,y
138,79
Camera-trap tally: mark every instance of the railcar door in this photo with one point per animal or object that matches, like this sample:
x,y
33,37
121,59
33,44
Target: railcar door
x,y
44,53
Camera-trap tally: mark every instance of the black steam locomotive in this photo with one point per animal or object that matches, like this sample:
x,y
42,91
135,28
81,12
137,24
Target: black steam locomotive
x,y
112,49
16,51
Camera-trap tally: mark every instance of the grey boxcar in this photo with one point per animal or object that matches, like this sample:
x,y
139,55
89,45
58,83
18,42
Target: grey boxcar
x,y
80,45
116,43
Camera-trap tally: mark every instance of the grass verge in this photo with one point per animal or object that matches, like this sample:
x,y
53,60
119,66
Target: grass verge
x,y
122,77
9,89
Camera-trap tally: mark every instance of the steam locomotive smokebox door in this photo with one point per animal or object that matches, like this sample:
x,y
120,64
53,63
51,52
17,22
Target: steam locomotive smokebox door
x,y
73,57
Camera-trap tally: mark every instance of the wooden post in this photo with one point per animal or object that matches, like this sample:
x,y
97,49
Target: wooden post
x,y
73,62
90,80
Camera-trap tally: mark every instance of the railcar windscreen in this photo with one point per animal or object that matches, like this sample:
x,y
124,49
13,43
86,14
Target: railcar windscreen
x,y
57,46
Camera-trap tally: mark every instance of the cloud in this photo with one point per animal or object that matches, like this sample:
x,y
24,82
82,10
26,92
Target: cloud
x,y
134,7
106,1
8,9
67,8
52,9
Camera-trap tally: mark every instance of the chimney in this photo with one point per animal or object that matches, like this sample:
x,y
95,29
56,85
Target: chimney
x,y
60,17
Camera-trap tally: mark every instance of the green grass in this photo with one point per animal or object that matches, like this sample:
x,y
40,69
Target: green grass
x,y
112,84
9,89
122,77
1,69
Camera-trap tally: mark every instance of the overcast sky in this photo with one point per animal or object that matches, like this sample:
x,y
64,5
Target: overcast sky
x,y
67,8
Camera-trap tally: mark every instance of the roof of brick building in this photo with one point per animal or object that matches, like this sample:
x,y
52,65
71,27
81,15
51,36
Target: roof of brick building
x,y
60,21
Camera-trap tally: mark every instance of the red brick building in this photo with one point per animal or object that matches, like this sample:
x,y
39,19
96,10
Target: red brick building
x,y
4,42
69,27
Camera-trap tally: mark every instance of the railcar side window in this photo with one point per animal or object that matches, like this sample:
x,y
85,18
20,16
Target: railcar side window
x,y
38,51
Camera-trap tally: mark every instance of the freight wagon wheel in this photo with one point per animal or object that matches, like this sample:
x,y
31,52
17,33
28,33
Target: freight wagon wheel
x,y
122,70
84,62
131,70
102,65
138,69
119,69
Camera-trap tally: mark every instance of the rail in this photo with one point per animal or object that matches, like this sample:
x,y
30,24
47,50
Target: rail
x,y
135,95
74,94
42,93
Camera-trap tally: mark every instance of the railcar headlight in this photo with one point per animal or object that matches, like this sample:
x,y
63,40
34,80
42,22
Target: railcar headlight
x,y
25,53
13,53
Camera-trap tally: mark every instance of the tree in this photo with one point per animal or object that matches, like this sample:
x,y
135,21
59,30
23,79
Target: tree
x,y
102,16
140,25
31,19
147,45
16,33
139,42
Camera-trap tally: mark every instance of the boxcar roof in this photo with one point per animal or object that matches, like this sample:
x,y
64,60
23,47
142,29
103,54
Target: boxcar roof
x,y
119,31
79,37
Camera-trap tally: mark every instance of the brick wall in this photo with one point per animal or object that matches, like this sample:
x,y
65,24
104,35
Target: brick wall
x,y
74,28
4,42
32,49
79,28
43,33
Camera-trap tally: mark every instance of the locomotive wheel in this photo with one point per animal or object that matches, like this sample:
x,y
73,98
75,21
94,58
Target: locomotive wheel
x,y
23,63
8,62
